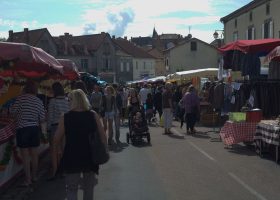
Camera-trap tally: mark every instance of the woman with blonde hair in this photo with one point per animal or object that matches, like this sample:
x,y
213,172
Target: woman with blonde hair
x,y
109,108
76,125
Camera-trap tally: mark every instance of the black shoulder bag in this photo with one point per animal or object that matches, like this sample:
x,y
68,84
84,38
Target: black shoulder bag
x,y
99,150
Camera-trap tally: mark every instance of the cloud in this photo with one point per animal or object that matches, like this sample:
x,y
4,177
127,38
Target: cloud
x,y
89,28
61,28
120,22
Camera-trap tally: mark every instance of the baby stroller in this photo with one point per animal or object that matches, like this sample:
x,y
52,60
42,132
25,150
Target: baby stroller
x,y
137,124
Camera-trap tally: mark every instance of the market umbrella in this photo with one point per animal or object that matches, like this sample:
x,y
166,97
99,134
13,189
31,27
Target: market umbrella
x,y
274,55
19,59
251,46
70,70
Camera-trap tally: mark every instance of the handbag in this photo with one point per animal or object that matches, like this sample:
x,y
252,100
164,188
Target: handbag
x,y
99,150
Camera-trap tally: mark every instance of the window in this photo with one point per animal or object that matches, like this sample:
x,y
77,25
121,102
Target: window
x,y
121,66
136,63
235,36
250,33
267,9
84,65
127,66
193,46
166,62
235,23
106,64
144,65
267,29
251,16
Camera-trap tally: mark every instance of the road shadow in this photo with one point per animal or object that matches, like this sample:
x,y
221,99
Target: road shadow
x,y
118,147
180,137
201,135
242,149
141,143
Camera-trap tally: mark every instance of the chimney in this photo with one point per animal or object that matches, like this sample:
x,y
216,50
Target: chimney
x,y
11,35
66,34
26,37
125,37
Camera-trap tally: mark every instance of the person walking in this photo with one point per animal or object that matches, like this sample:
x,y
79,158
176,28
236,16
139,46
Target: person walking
x,y
57,106
191,104
167,108
149,107
96,99
76,125
118,111
158,101
109,107
29,113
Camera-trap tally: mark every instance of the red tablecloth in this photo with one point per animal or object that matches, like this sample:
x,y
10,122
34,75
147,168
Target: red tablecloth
x,y
236,132
8,131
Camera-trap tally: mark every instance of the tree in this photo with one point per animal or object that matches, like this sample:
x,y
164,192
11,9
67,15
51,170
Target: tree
x,y
2,39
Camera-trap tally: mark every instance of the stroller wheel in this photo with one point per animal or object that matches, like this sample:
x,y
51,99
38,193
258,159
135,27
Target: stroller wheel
x,y
149,138
127,138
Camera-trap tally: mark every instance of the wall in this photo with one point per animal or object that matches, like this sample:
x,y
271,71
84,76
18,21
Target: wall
x,y
259,16
181,58
140,69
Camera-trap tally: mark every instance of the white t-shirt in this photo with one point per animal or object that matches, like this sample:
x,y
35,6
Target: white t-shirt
x,y
143,94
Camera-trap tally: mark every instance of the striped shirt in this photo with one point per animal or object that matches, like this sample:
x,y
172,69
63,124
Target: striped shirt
x,y
57,106
28,110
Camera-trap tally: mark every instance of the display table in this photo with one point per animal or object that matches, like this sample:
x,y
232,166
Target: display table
x,y
11,165
236,132
267,133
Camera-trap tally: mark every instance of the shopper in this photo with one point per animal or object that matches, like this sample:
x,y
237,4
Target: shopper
x,y
29,114
76,163
167,108
109,107
191,104
57,106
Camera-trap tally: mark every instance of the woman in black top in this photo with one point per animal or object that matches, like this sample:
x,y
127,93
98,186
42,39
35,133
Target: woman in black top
x,y
76,125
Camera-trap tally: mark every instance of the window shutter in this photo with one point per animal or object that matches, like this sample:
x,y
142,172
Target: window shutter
x,y
262,31
247,34
253,33
271,29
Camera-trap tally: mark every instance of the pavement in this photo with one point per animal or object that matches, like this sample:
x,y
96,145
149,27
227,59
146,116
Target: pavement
x,y
198,165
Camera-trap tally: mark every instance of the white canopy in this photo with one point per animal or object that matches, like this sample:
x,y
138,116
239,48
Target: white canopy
x,y
197,72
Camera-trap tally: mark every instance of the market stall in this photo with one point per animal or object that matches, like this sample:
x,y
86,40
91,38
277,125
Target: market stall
x,y
267,134
253,91
193,76
18,63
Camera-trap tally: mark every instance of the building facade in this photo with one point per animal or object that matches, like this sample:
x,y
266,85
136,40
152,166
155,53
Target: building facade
x,y
190,55
259,19
143,63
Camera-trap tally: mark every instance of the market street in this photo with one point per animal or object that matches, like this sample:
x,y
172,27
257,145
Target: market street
x,y
178,167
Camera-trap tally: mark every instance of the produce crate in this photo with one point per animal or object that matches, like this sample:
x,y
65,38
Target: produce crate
x,y
209,119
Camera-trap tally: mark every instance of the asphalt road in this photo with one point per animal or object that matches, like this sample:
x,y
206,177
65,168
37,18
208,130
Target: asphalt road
x,y
179,167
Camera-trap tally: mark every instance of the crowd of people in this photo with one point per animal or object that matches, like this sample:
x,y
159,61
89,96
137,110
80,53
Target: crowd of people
x,y
67,120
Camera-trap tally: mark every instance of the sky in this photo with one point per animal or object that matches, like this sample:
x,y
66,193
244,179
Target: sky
x,y
131,18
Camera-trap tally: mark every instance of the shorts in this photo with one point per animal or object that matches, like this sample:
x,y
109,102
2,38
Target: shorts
x,y
109,115
28,137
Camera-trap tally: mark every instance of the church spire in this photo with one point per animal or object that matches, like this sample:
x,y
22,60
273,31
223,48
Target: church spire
x,y
155,33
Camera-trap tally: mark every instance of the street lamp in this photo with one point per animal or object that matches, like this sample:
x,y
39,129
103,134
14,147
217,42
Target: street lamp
x,y
216,34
